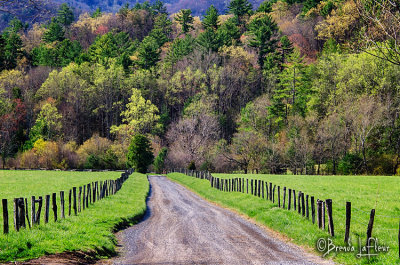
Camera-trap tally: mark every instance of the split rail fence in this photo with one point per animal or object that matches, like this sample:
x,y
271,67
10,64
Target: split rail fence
x,y
79,199
316,210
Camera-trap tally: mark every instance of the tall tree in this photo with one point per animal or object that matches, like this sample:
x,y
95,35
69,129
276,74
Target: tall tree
x,y
159,162
159,7
209,41
65,15
265,7
286,48
11,51
185,19
263,31
162,29
211,19
293,92
141,116
140,155
54,32
148,53
229,33
240,8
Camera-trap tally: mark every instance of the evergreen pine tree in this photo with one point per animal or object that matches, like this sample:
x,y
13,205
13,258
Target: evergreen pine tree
x,y
96,13
211,19
159,7
240,8
185,19
265,7
293,93
160,160
65,16
140,155
148,53
286,48
162,29
263,30
54,32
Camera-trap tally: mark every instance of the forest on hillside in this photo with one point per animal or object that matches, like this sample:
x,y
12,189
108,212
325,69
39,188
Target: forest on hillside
x,y
307,86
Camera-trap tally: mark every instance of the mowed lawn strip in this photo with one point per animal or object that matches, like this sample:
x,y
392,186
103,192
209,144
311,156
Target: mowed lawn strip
x,y
301,230
90,231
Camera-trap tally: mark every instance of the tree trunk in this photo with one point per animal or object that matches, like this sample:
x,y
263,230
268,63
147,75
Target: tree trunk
x,y
334,167
364,156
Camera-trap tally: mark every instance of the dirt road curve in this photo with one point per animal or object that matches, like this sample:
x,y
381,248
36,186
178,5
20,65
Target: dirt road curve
x,y
182,228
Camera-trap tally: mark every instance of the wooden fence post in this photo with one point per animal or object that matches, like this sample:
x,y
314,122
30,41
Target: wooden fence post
x,y
259,188
97,189
69,206
80,199
290,199
84,197
294,200
252,187
255,187
90,192
46,209
299,202
330,220
247,186
284,197
262,189
16,218
54,199
303,205
27,213
279,196
307,208
273,194
369,229
319,213
5,216
94,191
323,215
266,191
33,210
398,238
62,204
313,209
21,213
37,216
270,191
348,220
74,194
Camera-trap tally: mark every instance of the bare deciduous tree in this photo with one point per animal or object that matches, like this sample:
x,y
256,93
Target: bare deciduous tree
x,y
365,115
331,137
381,34
191,138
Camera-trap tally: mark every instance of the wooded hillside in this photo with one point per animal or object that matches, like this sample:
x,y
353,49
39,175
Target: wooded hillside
x,y
310,86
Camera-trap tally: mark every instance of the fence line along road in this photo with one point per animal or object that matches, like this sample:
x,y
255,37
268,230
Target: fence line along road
x,y
79,199
319,208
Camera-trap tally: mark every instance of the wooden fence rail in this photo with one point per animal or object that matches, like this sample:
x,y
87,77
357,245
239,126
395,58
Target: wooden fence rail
x,y
92,192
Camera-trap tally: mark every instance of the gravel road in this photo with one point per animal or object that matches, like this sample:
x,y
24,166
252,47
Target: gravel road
x,y
182,228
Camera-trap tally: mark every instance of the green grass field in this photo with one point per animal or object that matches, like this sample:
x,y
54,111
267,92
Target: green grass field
x,y
90,231
364,192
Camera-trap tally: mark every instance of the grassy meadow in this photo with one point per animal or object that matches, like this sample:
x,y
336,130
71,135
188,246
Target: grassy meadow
x,y
90,231
364,192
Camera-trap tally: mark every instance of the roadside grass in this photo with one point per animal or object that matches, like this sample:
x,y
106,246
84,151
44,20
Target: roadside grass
x,y
90,231
364,192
